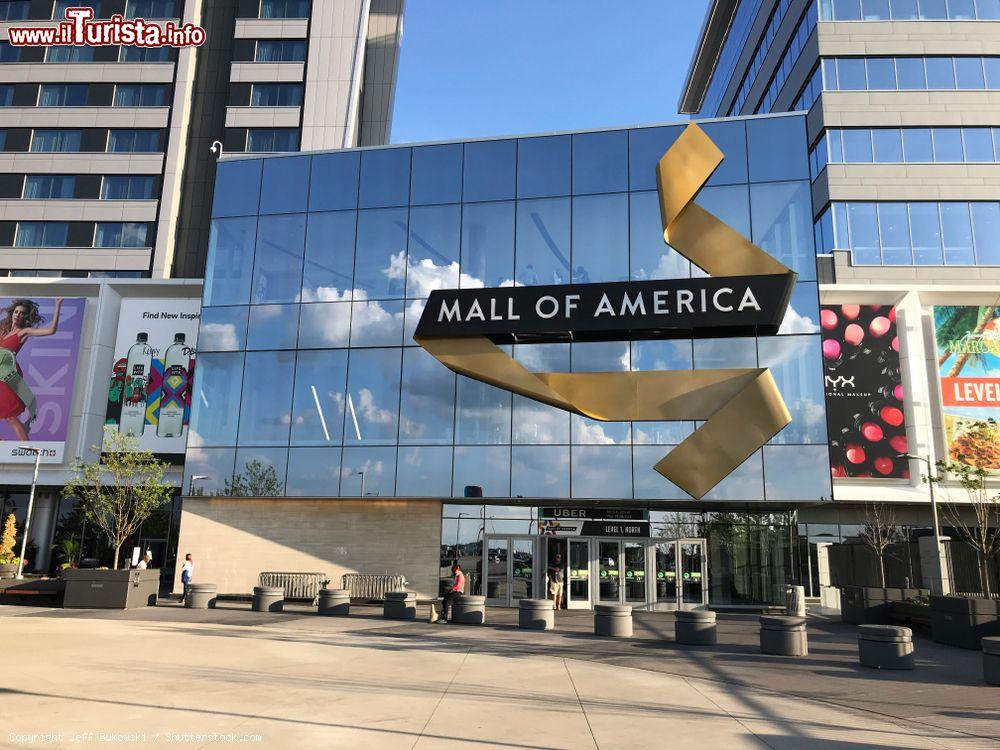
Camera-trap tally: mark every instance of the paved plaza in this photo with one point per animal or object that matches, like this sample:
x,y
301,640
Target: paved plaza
x,y
170,676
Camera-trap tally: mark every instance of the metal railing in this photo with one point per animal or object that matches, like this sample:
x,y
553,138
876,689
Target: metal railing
x,y
371,586
296,585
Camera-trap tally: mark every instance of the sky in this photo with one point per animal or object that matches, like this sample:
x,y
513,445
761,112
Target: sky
x,y
475,68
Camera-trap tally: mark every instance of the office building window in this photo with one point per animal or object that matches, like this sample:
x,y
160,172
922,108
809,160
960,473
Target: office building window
x,y
41,234
284,9
272,140
53,141
127,187
60,6
14,10
145,54
788,59
68,54
6,94
63,95
910,73
121,234
141,95
53,186
909,10
276,95
151,9
135,141
9,53
280,50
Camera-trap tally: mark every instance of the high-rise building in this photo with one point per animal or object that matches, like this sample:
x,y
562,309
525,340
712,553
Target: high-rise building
x,y
105,161
903,102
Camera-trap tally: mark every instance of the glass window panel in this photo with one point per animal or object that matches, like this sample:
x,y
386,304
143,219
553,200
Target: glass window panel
x,y
385,177
584,431
313,472
714,354
285,186
277,268
881,74
483,412
969,73
213,465
795,364
543,166
888,145
978,145
237,187
540,471
933,10
487,245
377,323
610,356
986,230
534,422
956,229
490,171
797,473
328,273
265,410
992,66
841,226
411,316
423,472
215,403
961,10
864,234
273,326
894,232
373,396
910,73
745,483
858,145
851,74
847,10
380,256
602,471
829,68
368,472
648,484
875,10
802,315
600,238
542,255
777,148
948,145
650,257
427,408
988,10
319,400
600,162
917,146
437,174
324,324
836,145
223,329
782,224
432,261
646,146
260,472
904,10
730,203
731,138
334,181
488,468
661,355
230,260
925,232
940,73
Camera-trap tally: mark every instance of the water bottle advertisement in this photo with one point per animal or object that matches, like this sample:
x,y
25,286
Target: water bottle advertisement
x,y
864,391
149,395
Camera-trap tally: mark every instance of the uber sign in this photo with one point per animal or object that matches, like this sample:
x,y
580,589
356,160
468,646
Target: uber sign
x,y
675,308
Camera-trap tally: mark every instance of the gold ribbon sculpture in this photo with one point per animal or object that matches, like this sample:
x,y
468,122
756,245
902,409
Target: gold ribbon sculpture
x,y
741,408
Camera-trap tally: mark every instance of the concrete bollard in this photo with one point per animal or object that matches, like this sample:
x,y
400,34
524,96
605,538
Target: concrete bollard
x,y
783,636
695,627
335,602
991,660
795,601
885,646
400,605
536,614
268,599
468,610
613,620
200,596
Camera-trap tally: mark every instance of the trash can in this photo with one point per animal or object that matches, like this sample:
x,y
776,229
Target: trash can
x,y
885,646
400,605
536,614
200,596
783,636
336,602
695,627
613,620
468,610
268,599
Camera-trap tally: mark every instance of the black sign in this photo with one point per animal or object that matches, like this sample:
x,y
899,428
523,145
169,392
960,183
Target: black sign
x,y
674,308
615,528
607,514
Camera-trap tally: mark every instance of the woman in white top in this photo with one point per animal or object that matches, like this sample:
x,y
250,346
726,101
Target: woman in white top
x,y
186,572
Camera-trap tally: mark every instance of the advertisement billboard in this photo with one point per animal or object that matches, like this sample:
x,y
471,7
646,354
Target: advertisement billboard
x,y
149,394
968,356
39,346
864,391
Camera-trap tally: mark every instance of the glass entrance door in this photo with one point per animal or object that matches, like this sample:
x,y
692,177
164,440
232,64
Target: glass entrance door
x,y
634,580
497,579
522,570
510,570
681,574
608,571
694,591
665,590
578,590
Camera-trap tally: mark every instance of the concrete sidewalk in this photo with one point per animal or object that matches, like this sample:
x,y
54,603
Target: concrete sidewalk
x,y
301,681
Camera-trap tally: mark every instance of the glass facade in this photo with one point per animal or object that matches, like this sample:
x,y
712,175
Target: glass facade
x,y
788,59
909,10
319,267
911,73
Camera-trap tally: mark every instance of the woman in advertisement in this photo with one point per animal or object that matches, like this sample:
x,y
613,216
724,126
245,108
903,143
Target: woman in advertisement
x,y
21,320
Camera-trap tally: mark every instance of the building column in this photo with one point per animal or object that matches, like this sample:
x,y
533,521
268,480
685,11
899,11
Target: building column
x,y
42,522
933,560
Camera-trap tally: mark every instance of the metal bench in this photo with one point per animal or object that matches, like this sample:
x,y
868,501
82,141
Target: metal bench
x,y
296,585
372,587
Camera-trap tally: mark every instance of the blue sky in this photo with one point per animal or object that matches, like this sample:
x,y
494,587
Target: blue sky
x,y
472,68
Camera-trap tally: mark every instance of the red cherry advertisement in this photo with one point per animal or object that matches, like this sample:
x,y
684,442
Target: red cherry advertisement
x,y
864,391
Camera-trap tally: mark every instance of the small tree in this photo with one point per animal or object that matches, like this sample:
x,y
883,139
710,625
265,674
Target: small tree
x,y
256,480
880,530
7,541
119,490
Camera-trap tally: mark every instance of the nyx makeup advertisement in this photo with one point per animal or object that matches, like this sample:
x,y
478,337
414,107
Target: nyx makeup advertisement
x,y
864,391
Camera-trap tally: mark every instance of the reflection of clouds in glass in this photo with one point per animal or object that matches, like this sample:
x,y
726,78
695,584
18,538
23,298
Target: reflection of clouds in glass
x,y
591,432
602,472
329,294
368,411
797,472
669,265
540,471
220,336
793,322
371,323
539,423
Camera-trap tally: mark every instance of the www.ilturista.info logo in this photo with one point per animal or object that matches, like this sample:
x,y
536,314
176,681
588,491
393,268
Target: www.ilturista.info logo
x,y
81,30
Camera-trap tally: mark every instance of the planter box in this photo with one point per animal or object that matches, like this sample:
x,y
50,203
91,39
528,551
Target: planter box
x,y
963,620
867,605
910,613
110,589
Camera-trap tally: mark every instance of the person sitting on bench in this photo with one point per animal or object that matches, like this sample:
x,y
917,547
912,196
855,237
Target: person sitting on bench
x,y
457,588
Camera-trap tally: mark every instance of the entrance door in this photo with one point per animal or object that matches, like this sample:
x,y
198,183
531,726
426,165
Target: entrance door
x,y
634,579
608,571
694,591
681,574
665,588
510,570
497,576
522,570
578,591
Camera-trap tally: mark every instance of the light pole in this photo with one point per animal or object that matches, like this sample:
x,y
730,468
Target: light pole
x,y
31,505
362,475
196,478
934,512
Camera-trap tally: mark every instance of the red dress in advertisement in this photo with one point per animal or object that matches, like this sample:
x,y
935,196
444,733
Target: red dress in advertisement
x,y
10,404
